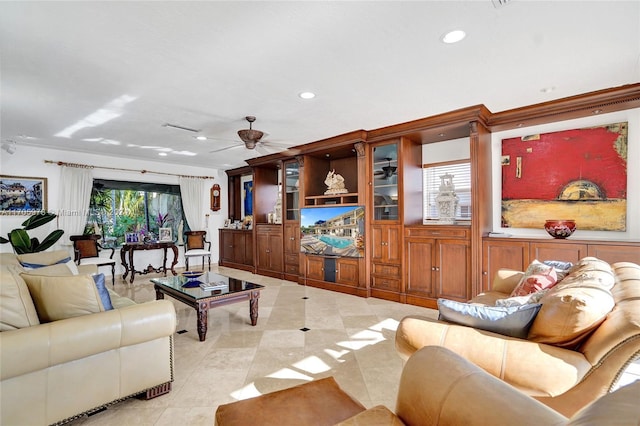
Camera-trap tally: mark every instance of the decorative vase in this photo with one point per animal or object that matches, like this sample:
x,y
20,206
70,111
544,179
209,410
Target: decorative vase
x,y
447,200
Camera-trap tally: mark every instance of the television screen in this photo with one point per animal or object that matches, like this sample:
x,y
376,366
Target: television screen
x,y
336,231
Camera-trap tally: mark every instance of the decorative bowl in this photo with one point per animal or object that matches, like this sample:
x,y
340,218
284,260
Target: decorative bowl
x,y
192,274
560,228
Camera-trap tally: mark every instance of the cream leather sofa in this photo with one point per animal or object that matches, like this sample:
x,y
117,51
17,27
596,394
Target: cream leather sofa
x,y
437,387
53,372
565,378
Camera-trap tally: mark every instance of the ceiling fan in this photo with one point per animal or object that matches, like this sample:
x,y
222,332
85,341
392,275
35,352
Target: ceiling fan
x,y
387,171
252,139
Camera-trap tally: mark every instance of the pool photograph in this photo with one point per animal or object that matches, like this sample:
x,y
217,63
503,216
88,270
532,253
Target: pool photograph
x,y
332,231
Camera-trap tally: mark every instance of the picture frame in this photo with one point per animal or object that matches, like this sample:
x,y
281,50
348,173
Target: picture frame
x,y
131,237
22,195
227,223
165,234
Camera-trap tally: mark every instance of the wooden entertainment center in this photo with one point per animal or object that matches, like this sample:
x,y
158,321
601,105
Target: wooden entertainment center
x,y
403,260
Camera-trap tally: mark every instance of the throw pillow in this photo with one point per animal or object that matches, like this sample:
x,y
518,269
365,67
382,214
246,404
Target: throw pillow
x,y
57,298
16,306
562,268
102,290
538,276
521,300
57,270
575,306
510,321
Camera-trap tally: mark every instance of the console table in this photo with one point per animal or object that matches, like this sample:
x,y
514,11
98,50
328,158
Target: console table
x,y
130,248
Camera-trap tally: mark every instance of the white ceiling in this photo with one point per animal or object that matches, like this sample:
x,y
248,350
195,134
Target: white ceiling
x,y
103,77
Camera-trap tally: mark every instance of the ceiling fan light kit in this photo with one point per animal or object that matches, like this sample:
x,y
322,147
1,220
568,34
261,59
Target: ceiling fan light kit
x,y
249,136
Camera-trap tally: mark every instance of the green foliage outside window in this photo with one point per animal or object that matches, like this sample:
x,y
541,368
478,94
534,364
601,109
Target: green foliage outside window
x,y
118,208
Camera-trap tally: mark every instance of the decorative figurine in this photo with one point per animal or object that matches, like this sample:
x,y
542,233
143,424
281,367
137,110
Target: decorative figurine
x,y
447,200
335,183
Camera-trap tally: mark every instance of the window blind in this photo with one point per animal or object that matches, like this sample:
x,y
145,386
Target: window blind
x,y
461,172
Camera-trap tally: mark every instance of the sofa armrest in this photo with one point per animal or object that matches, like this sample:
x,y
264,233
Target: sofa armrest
x,y
38,347
535,368
439,387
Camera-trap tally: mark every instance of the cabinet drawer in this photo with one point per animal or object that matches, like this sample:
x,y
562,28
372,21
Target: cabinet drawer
x,y
385,283
291,258
386,270
291,269
437,232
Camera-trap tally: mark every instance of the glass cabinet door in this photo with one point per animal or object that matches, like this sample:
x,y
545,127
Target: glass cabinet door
x,y
385,182
292,186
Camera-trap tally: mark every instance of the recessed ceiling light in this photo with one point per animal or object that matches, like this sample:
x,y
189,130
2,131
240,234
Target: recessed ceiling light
x,y
162,154
453,36
307,95
548,89
201,138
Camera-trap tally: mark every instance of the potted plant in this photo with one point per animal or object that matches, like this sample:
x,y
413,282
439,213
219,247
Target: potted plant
x,y
22,243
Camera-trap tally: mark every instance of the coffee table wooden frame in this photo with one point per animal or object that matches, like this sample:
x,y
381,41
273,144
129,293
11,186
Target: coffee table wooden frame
x,y
203,305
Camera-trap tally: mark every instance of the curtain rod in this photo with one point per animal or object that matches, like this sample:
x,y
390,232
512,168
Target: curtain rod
x,y
87,166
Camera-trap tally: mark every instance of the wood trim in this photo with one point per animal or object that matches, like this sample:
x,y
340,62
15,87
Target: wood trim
x,y
592,103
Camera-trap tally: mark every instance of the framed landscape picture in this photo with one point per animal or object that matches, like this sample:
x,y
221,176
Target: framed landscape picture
x,y
22,195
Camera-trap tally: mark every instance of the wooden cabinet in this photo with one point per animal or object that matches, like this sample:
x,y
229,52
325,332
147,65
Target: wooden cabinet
x,y
269,250
386,262
518,253
437,264
291,250
332,269
236,249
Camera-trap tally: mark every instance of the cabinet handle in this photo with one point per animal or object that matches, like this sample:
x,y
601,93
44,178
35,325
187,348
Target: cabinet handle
x,y
484,273
433,268
292,238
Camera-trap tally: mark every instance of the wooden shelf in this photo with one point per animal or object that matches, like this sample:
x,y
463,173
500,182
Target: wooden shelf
x,y
349,199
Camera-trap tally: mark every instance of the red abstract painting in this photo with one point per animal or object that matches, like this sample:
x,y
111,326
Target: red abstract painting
x,y
578,174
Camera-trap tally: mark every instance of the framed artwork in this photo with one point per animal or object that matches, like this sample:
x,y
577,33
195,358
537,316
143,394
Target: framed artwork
x,y
578,174
131,237
22,195
246,206
165,234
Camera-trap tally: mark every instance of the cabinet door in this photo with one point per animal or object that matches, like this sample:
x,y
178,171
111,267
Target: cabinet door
x,y
419,267
385,182
347,271
248,248
453,269
275,252
226,245
239,247
262,251
385,243
557,251
291,238
315,268
613,253
502,255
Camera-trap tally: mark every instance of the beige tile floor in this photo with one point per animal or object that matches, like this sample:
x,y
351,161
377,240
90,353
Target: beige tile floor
x,y
349,337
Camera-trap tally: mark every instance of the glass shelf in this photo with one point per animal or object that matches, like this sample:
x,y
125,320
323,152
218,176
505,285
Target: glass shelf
x,y
385,182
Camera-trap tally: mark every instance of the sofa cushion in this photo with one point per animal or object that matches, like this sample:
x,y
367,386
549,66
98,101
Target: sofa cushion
x,y
16,307
43,258
57,298
56,270
575,306
538,276
511,321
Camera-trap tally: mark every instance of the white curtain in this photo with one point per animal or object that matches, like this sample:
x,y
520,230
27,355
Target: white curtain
x,y
192,191
75,195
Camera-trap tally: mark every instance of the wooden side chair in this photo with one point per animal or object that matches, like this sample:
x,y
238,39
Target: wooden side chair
x,y
196,245
87,252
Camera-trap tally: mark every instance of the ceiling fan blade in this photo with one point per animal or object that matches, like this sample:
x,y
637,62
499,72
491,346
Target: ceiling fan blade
x,y
226,148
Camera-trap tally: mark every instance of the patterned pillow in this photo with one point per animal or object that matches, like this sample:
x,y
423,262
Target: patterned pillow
x,y
538,276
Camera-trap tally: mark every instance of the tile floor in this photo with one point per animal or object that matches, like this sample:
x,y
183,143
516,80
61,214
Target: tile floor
x,y
349,337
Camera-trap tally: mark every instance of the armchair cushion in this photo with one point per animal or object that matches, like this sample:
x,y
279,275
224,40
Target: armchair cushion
x,y
511,321
57,298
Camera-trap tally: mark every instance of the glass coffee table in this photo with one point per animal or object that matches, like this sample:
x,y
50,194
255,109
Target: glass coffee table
x,y
225,290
